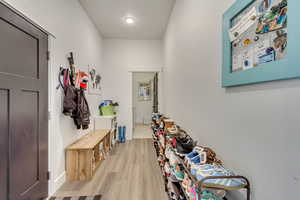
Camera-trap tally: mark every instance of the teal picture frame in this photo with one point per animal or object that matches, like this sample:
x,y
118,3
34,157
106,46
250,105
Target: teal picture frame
x,y
284,69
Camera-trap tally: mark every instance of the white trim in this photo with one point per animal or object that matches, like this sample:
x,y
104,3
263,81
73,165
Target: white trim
x,y
131,125
59,181
51,139
145,69
26,18
131,71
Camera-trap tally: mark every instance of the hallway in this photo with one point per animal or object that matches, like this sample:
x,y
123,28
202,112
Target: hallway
x,y
130,172
149,100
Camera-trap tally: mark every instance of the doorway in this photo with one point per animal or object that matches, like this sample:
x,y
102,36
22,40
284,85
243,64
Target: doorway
x,y
144,101
23,108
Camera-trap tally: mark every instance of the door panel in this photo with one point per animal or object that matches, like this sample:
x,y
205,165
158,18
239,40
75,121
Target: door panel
x,y
26,141
3,142
24,84
25,48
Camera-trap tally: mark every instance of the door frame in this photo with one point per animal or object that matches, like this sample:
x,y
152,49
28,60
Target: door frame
x,y
135,69
51,83
51,38
15,10
51,86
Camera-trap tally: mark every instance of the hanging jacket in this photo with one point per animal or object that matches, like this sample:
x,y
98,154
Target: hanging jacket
x,y
75,104
69,104
81,115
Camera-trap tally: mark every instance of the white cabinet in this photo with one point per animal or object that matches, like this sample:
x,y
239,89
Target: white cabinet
x,y
107,122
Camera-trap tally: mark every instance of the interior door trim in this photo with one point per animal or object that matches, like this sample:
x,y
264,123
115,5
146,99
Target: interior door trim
x,y
26,18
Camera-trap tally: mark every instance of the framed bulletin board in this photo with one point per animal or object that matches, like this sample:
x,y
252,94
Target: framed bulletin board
x,y
261,39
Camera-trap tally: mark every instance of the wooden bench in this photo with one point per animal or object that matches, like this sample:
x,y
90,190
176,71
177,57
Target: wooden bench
x,y
85,155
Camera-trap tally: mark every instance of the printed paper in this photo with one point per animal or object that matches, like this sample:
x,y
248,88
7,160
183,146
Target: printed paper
x,y
247,59
243,25
237,63
260,50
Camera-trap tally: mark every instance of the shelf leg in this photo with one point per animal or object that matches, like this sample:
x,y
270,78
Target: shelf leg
x,y
248,192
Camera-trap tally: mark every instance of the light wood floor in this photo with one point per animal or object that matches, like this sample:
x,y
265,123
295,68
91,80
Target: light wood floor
x,y
131,172
142,131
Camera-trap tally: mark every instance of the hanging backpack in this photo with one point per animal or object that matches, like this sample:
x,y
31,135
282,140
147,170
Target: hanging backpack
x,y
82,113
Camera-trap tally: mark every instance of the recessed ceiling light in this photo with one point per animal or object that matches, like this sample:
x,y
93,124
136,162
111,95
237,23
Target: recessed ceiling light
x,y
129,20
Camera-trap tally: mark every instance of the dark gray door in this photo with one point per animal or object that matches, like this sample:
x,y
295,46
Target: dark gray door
x,y
23,108
155,93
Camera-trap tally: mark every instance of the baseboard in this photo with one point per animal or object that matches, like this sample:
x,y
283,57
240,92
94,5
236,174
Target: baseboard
x,y
59,181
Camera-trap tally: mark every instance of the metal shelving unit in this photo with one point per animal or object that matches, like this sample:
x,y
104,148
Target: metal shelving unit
x,y
201,185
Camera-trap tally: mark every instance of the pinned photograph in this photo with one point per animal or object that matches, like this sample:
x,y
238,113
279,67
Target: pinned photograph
x,y
264,6
94,81
274,19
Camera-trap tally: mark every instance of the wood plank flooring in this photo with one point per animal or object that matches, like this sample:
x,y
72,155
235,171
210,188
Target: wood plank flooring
x,y
131,172
142,131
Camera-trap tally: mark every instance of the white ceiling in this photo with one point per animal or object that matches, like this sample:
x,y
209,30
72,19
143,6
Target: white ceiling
x,y
151,17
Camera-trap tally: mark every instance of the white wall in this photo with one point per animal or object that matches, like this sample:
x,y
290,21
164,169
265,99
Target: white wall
x,y
74,32
120,57
255,128
142,109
